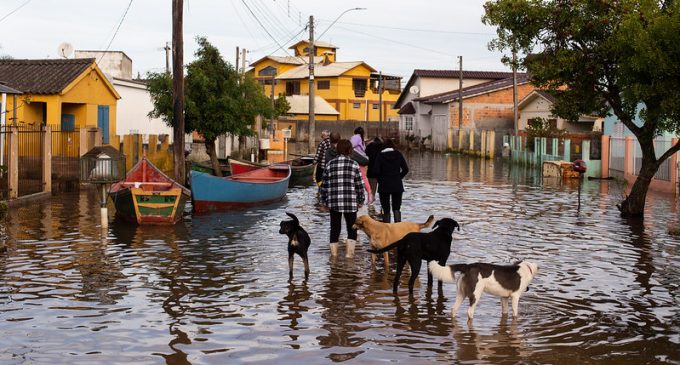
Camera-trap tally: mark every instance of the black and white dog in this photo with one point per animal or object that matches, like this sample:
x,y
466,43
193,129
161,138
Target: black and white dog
x,y
504,281
298,242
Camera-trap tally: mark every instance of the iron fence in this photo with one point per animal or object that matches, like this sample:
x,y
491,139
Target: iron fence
x,y
617,155
65,156
661,145
30,157
4,165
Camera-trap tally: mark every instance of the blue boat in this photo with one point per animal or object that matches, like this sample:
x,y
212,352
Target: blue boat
x,y
259,187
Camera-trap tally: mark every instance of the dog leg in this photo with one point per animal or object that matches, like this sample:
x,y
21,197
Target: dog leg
x,y
460,296
515,305
504,305
415,269
401,261
306,261
474,300
290,266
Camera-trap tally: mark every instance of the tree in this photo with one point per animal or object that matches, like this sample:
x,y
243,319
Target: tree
x,y
218,99
602,57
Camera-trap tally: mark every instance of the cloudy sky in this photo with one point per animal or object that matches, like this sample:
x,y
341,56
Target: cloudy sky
x,y
394,36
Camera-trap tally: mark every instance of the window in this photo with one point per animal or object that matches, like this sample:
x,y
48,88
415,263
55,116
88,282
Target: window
x,y
408,123
292,88
359,86
375,106
323,84
356,105
267,71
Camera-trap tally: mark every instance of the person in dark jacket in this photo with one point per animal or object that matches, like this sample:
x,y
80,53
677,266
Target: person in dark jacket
x,y
320,156
372,151
342,192
331,152
390,168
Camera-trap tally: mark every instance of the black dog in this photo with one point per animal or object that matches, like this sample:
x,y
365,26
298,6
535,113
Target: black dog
x,y
418,246
298,242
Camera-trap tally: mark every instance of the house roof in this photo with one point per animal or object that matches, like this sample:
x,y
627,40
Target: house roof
x,y
450,74
42,76
290,60
536,94
316,44
299,104
8,90
321,70
474,90
408,108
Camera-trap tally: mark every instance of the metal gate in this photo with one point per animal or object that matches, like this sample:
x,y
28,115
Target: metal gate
x,y
65,155
30,160
617,154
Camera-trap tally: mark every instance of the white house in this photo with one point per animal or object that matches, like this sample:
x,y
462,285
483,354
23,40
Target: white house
x,y
416,116
538,104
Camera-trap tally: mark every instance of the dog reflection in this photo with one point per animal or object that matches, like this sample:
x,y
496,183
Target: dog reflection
x,y
292,307
500,345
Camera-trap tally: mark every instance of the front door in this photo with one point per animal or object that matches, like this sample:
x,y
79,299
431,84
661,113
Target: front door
x,y
103,122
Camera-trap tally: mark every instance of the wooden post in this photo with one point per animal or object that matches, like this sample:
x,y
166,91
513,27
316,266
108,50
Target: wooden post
x,y
312,53
13,178
178,90
47,158
82,145
98,138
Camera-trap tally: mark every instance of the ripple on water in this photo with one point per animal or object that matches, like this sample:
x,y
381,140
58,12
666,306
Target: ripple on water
x,y
215,288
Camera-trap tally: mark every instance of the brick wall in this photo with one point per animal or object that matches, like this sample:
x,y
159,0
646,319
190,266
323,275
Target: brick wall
x,y
493,110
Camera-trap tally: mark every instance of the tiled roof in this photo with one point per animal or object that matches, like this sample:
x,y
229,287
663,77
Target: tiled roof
x,y
8,90
299,104
42,76
474,90
407,109
321,70
466,74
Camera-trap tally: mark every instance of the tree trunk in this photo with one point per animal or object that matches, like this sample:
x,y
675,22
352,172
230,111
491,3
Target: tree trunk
x,y
210,149
634,204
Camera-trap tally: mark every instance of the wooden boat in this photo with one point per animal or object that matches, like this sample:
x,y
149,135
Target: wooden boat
x,y
148,196
302,169
207,167
259,187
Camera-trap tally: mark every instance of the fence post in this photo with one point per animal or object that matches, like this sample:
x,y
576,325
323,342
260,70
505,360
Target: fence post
x,y
629,157
604,160
482,152
13,162
492,147
47,159
555,147
82,148
98,138
567,149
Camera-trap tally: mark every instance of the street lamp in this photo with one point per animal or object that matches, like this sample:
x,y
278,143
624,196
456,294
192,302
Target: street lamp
x,y
312,53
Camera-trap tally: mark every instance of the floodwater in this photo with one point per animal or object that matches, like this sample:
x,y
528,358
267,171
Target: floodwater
x,y
214,289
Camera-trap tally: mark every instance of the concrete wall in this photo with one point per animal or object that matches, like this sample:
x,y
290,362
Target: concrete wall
x,y
133,108
113,63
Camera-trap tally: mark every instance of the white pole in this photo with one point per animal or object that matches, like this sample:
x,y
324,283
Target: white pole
x,y
104,210
3,123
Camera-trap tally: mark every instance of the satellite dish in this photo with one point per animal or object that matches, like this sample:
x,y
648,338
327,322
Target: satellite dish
x,y
65,50
414,89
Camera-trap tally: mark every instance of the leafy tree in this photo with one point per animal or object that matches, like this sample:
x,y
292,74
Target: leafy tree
x,y
542,128
605,57
218,99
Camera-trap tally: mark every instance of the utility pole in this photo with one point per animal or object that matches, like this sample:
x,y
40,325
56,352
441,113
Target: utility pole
x,y
178,90
380,103
238,54
460,92
167,57
311,83
243,61
514,89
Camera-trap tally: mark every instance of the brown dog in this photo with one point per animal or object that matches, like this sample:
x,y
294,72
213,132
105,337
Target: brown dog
x,y
382,234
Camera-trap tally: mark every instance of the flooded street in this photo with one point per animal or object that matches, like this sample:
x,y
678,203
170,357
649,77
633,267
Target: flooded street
x,y
214,289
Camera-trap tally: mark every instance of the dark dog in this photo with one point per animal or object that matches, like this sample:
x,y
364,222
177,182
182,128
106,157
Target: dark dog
x,y
298,242
417,246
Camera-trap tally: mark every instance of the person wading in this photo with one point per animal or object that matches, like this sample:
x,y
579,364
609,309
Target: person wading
x,y
342,192
390,168
320,157
372,151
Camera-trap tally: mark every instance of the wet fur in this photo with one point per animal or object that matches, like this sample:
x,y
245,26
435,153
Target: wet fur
x,y
298,242
504,281
383,234
417,246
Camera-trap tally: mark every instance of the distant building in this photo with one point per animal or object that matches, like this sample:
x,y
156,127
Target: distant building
x,y
538,105
68,93
349,88
135,101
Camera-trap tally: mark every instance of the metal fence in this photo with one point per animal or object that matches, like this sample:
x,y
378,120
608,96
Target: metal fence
x,y
4,165
661,145
617,155
65,156
30,159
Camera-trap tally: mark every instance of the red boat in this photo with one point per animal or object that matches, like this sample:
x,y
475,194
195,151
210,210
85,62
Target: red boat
x,y
302,169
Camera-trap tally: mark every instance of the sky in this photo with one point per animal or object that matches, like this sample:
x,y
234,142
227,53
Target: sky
x,y
393,36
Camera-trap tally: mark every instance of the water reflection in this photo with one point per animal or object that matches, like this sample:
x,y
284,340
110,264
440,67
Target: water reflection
x,y
214,289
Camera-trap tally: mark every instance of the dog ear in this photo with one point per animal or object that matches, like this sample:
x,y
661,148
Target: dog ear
x,y
295,220
455,224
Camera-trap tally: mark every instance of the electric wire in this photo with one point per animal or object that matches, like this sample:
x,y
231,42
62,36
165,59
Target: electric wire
x,y
265,28
15,10
117,29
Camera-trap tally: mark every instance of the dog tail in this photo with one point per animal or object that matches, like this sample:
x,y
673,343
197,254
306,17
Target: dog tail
x,y
427,223
443,273
295,219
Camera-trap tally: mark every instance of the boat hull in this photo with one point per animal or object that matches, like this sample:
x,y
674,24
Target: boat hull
x,y
302,170
238,191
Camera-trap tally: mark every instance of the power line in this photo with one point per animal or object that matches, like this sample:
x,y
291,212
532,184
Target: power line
x,y
117,29
398,42
414,29
15,10
263,27
270,16
245,25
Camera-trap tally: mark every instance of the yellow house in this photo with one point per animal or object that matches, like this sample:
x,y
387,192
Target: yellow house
x,y
68,93
351,89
